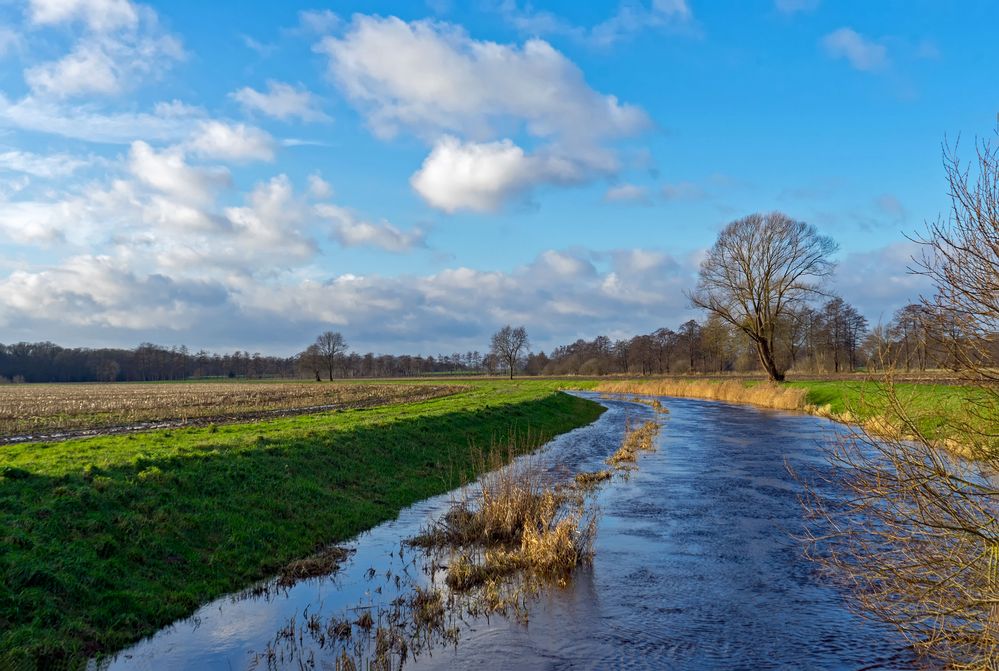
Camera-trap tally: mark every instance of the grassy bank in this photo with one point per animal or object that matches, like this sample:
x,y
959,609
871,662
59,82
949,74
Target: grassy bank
x,y
106,539
936,408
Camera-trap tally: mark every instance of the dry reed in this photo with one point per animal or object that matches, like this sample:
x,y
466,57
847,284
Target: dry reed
x,y
516,532
325,562
640,439
733,391
591,478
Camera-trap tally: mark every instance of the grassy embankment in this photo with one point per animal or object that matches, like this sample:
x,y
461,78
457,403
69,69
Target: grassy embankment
x,y
104,540
935,407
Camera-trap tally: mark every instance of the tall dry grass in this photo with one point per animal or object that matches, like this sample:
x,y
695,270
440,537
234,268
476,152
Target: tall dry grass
x,y
505,539
765,395
636,439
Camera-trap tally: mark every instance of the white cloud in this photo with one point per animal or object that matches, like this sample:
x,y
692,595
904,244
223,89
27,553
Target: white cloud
x,y
861,52
351,231
271,224
482,177
627,193
97,291
281,101
318,21
42,165
463,95
878,282
122,45
169,173
167,122
560,295
630,19
477,177
262,49
35,222
231,142
98,15
88,69
319,188
433,78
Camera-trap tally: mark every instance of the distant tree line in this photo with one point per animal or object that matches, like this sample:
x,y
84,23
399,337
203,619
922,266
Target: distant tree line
x,y
48,362
830,338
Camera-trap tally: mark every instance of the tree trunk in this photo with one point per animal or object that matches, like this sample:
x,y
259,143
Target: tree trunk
x,y
767,359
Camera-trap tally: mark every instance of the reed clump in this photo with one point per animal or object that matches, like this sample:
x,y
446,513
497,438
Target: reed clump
x,y
592,478
653,403
764,394
517,531
637,439
322,563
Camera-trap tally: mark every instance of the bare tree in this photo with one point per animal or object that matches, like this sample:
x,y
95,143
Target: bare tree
x,y
960,256
665,341
508,343
760,267
918,539
330,346
311,360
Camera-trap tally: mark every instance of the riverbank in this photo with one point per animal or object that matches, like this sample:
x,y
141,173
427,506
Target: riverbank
x,y
935,408
107,539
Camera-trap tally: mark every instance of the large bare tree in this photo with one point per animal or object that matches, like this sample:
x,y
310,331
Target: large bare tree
x,y
760,268
330,345
507,345
918,539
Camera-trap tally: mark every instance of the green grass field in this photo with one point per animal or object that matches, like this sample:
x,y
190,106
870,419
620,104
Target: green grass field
x,y
104,540
935,408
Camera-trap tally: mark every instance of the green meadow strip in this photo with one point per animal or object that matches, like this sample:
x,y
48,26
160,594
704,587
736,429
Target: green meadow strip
x,y
104,540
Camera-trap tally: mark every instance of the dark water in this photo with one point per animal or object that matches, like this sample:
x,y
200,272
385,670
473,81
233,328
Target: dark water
x,y
696,567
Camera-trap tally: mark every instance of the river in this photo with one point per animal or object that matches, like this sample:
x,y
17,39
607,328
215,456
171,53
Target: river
x,y
697,565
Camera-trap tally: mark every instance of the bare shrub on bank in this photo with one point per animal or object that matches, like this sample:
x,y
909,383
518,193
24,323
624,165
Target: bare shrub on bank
x,y
917,538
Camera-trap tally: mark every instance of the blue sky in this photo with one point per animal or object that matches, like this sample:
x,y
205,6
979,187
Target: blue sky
x,y
226,175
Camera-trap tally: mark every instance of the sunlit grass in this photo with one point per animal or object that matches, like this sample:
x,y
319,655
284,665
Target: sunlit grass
x,y
106,539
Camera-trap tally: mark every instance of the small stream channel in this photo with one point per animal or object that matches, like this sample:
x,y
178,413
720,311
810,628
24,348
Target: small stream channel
x,y
696,566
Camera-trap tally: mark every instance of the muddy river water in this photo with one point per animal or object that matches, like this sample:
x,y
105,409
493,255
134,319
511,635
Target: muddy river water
x,y
696,566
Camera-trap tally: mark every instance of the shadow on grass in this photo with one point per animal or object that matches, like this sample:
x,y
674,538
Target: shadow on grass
x,y
94,560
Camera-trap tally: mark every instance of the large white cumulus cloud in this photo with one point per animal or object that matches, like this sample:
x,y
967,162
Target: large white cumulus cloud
x,y
468,99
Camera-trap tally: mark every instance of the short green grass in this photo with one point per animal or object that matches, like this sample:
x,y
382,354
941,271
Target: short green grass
x,y
104,540
935,408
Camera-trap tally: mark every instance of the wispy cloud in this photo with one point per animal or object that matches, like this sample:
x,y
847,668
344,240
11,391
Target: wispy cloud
x,y
627,193
862,53
281,101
